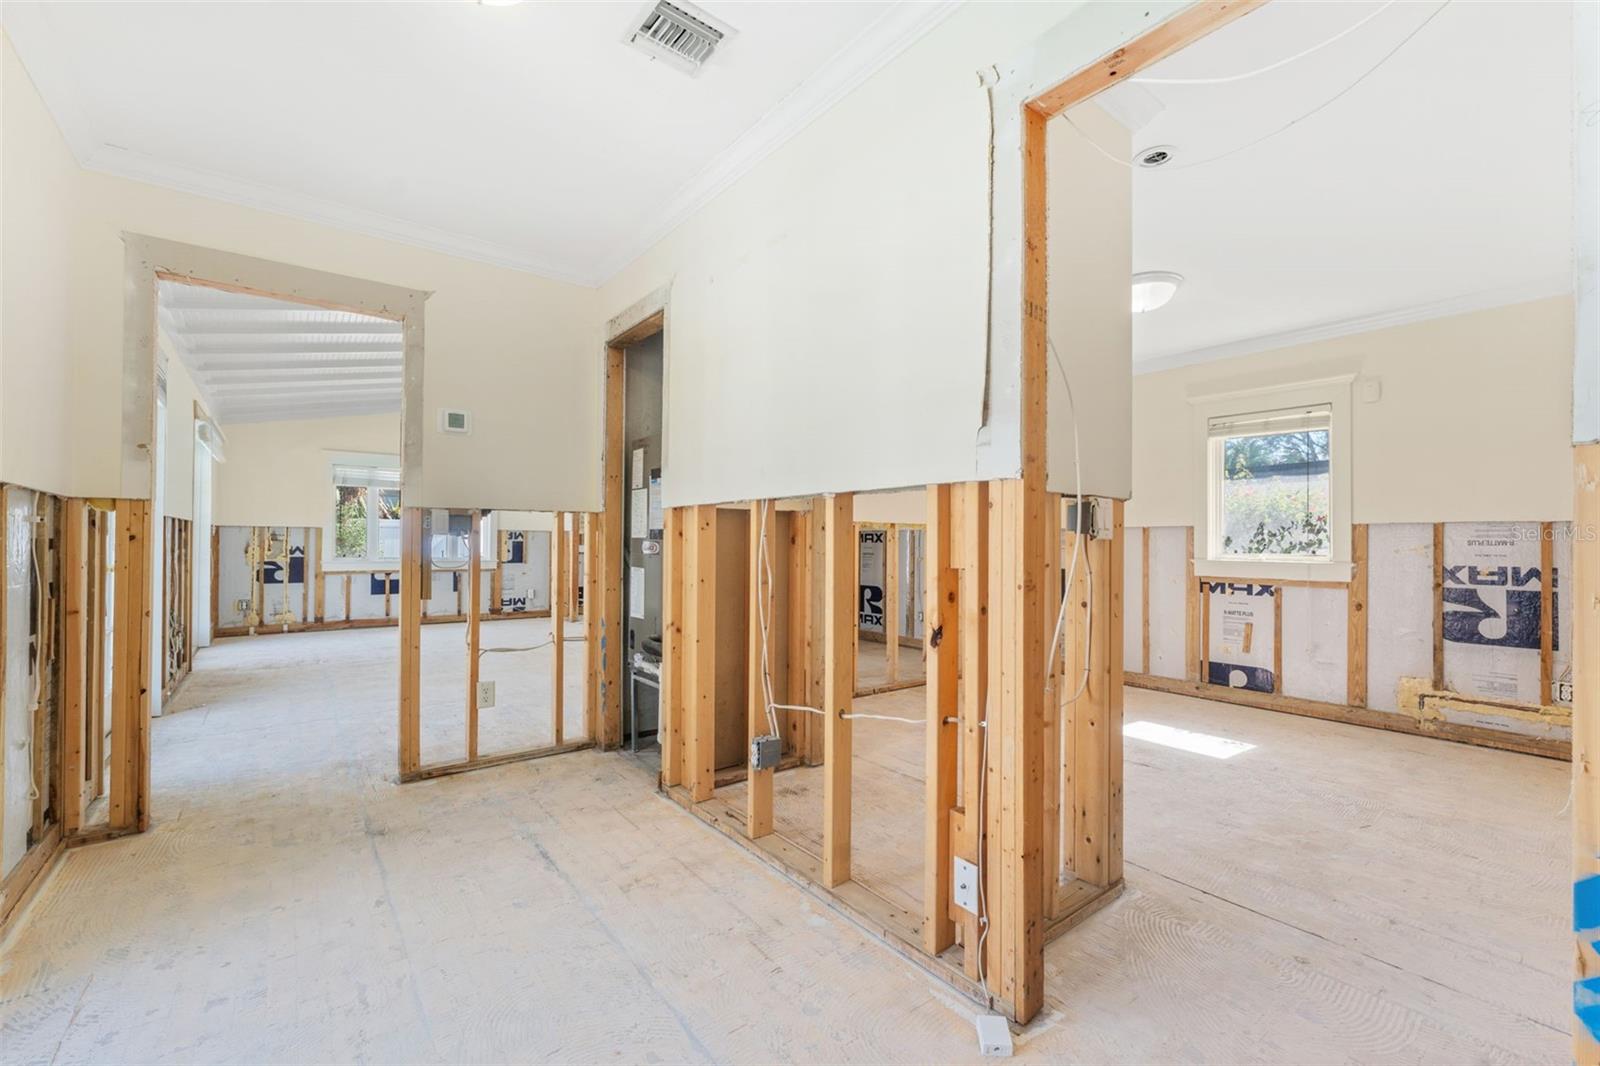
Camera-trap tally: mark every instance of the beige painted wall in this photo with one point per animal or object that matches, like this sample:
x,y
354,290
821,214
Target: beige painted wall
x,y
279,473
518,351
827,327
1473,423
37,182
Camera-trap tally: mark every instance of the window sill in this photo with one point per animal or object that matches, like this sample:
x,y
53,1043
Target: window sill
x,y
1252,570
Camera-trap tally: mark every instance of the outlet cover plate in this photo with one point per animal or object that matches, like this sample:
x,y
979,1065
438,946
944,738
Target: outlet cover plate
x,y
485,693
964,884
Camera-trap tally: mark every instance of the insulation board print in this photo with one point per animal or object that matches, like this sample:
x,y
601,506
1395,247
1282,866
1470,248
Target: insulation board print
x,y
1492,588
1241,648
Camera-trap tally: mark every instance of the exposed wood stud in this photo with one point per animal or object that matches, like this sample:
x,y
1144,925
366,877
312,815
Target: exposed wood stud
x,y
558,617
1192,607
839,631
758,784
701,692
1585,596
474,609
1438,605
1356,601
941,608
671,719
1547,612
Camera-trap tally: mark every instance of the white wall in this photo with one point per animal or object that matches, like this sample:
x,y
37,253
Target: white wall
x,y
827,323
37,183
1472,425
178,488
280,473
520,352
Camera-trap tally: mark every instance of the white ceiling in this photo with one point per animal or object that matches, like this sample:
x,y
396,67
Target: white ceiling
x,y
529,136
255,359
1440,183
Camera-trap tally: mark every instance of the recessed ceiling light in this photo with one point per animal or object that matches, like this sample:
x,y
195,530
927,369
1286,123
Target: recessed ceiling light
x,y
1158,156
1153,289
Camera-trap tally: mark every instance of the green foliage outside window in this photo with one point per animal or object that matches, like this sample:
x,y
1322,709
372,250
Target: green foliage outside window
x,y
1274,494
350,522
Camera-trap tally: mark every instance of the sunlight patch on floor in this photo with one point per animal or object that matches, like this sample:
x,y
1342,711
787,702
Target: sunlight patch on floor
x,y
1186,740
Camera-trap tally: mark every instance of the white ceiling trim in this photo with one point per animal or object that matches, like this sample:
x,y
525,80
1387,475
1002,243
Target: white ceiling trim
x,y
895,31
1457,305
886,38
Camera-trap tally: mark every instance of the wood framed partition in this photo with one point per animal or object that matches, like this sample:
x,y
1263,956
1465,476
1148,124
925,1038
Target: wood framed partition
x,y
1045,833
416,581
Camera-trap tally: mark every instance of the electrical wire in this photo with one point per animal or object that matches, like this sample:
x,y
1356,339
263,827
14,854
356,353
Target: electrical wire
x,y
1229,79
1061,613
1287,125
38,663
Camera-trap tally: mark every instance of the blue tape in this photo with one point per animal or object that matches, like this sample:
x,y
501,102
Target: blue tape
x,y
1586,903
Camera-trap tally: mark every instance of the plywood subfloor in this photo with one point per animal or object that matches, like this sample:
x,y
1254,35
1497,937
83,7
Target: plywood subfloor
x,y
1332,895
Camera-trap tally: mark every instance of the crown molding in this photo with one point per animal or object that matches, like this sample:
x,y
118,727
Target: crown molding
x,y
892,33
888,36
1266,342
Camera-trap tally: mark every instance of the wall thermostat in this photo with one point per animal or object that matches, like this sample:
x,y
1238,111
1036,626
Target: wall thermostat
x,y
454,421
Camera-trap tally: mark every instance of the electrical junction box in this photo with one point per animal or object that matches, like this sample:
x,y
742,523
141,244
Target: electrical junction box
x,y
485,693
994,1036
765,753
1090,523
964,884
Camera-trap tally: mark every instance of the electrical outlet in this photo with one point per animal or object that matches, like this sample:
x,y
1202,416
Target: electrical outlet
x,y
964,884
241,606
485,694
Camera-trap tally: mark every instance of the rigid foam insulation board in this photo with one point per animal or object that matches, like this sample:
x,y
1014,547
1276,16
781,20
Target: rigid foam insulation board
x,y
525,572
1561,657
1133,600
367,593
1315,643
443,602
870,570
1492,590
1240,635
1168,603
233,576
283,578
912,582
1399,609
18,694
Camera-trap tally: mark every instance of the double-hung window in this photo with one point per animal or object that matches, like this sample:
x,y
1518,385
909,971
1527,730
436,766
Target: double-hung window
x,y
1273,485
1271,474
366,513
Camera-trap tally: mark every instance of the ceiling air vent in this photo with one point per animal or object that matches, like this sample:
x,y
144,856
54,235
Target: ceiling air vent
x,y
681,34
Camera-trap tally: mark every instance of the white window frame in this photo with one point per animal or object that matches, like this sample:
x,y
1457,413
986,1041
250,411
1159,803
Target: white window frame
x,y
1210,559
331,558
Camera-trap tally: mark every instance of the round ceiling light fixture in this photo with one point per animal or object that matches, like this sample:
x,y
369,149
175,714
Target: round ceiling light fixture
x,y
1157,156
1154,289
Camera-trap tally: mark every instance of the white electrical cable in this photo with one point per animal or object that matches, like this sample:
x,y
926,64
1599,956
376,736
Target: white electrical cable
x,y
1146,80
765,563
886,718
1061,615
983,896
1287,125
38,665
